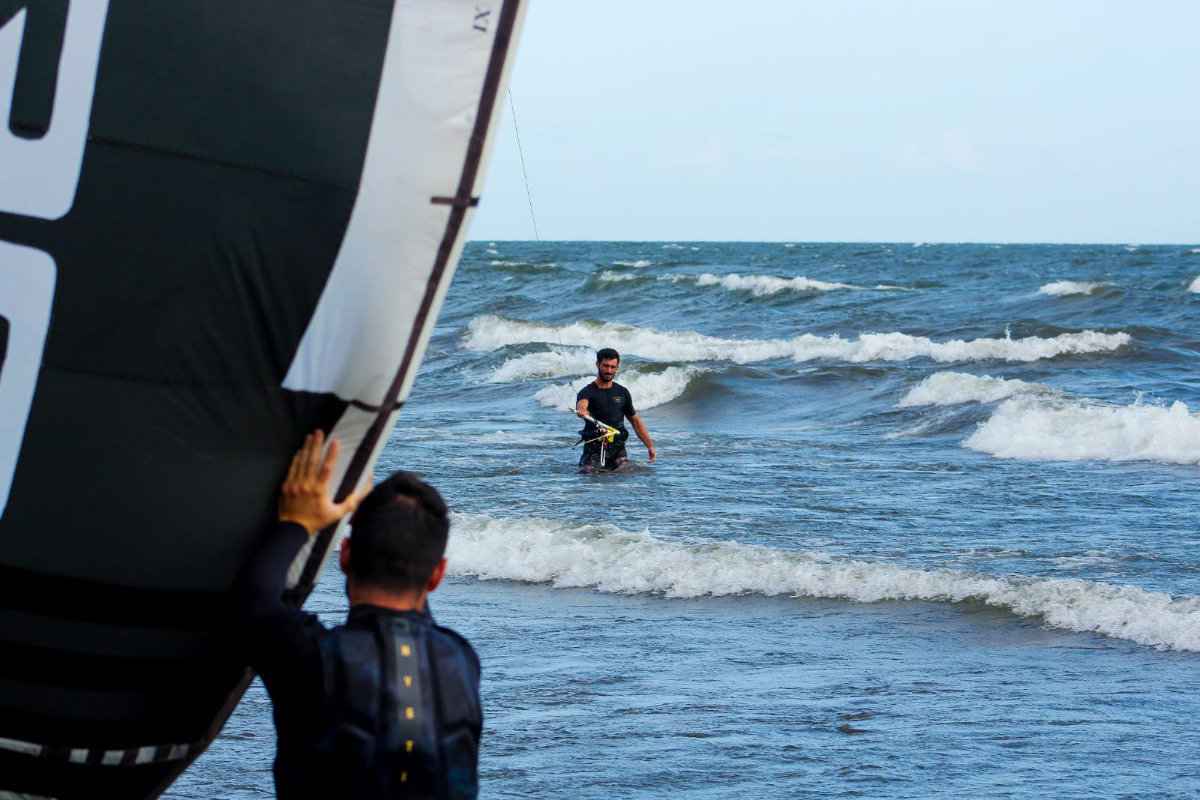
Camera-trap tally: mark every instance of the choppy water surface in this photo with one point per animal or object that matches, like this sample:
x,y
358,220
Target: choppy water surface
x,y
923,522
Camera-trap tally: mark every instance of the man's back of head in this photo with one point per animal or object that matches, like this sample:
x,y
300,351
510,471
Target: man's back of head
x,y
398,535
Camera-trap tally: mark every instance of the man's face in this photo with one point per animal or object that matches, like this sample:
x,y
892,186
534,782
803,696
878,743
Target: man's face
x,y
607,369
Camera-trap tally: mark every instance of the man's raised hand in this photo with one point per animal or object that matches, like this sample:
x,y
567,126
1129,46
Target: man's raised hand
x,y
304,497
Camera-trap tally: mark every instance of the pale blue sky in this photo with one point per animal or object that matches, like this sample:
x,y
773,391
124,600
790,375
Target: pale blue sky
x,y
856,120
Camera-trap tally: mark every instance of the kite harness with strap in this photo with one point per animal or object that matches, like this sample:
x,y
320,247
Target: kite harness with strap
x,y
607,435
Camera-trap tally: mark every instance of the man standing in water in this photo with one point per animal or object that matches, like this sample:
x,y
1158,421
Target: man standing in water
x,y
386,705
610,403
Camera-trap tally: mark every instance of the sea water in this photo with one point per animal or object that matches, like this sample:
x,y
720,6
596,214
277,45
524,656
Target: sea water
x,y
923,522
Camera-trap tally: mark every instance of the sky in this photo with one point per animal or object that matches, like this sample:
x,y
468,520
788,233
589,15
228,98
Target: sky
x,y
851,120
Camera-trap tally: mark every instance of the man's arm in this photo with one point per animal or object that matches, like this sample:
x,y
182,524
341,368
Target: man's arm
x,y
581,407
278,639
277,634
640,430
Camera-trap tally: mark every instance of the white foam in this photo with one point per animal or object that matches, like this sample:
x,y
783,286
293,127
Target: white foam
x,y
654,389
1064,288
1195,287
1040,429
1039,423
487,333
608,276
758,285
954,388
763,285
649,390
554,363
612,560
639,263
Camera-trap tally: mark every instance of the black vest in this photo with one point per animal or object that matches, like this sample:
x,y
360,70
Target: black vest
x,y
402,701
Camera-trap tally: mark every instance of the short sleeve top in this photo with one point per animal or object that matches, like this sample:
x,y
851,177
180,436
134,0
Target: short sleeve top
x,y
610,406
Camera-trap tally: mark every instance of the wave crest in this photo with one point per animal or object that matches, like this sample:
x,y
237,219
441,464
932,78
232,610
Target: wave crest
x,y
608,276
554,363
1032,429
649,390
488,332
757,285
955,388
611,560
765,285
1065,288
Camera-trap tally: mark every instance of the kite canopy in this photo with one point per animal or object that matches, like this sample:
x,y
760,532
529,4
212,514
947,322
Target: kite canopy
x,y
222,225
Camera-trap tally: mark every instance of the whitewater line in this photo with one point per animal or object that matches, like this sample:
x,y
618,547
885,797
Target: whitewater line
x,y
1034,422
487,333
608,559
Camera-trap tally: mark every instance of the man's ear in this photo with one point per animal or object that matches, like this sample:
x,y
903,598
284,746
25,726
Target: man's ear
x,y
344,556
435,578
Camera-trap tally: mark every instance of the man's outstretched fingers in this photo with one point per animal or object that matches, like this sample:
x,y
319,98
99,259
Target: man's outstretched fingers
x,y
297,461
313,447
325,475
304,497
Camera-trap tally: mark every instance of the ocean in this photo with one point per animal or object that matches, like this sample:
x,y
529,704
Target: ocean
x,y
922,525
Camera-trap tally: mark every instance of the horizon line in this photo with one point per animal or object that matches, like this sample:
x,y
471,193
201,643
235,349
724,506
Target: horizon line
x,y
914,242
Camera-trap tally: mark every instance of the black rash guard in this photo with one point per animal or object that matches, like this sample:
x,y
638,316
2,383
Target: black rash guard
x,y
611,406
386,705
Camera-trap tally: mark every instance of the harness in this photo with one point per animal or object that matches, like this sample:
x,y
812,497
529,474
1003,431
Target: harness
x,y
607,435
384,737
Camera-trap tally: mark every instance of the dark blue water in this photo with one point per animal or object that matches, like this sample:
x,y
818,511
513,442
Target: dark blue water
x,y
922,523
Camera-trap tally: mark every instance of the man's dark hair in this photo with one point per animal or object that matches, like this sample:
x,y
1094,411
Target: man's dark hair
x,y
606,353
398,534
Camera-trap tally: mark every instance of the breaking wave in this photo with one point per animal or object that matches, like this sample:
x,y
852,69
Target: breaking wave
x,y
1035,429
757,285
1064,288
488,332
954,388
1035,422
764,285
608,276
1195,287
554,363
609,559
651,389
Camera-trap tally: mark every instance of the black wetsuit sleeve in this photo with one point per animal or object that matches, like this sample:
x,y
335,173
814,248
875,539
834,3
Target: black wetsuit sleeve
x,y
281,642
